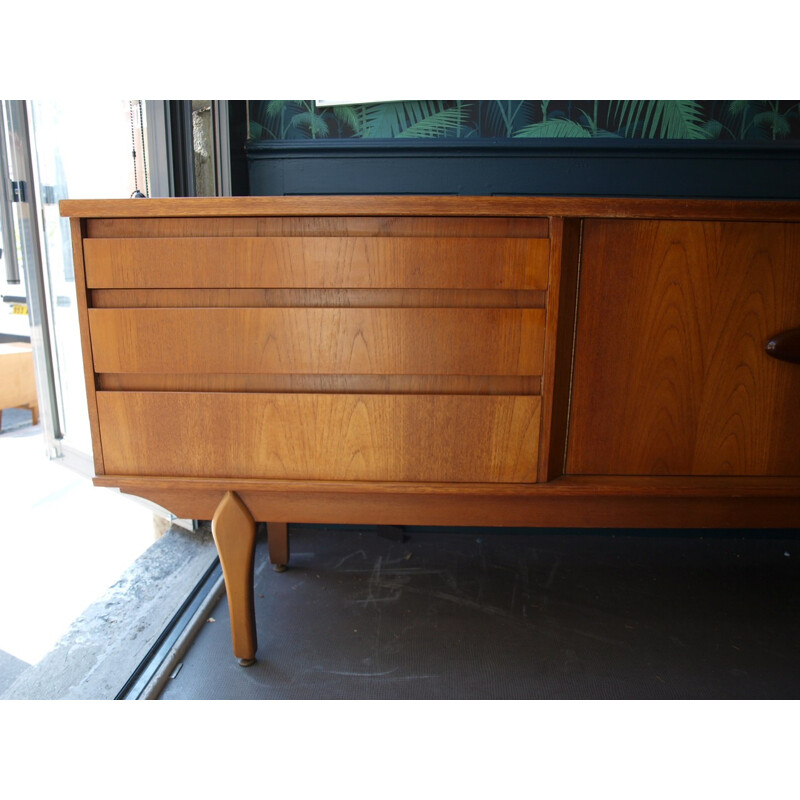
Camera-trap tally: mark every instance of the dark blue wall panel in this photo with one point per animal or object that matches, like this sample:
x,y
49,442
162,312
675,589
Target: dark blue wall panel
x,y
612,168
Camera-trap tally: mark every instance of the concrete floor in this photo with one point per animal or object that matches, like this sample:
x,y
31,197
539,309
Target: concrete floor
x,y
67,547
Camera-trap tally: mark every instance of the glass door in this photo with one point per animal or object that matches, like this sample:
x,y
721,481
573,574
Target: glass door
x,y
56,150
23,281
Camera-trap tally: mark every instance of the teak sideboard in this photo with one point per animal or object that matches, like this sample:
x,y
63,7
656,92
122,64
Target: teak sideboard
x,y
500,361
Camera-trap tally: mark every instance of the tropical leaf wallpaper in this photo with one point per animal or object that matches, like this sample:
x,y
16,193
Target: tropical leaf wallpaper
x,y
756,121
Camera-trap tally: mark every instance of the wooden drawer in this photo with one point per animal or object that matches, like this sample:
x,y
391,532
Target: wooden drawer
x,y
339,437
404,341
411,262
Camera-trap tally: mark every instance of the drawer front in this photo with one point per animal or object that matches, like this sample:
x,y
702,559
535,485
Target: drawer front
x,y
357,341
331,262
415,438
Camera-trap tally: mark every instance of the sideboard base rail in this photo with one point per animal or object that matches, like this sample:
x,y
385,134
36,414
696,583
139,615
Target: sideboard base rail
x,y
569,501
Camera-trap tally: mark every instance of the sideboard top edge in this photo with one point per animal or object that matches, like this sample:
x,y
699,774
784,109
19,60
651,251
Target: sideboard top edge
x,y
428,205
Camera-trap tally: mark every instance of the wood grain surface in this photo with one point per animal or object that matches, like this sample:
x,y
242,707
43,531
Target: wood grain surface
x,y
335,384
559,341
278,544
234,532
321,436
408,205
78,231
323,262
536,227
415,341
317,298
671,376
574,501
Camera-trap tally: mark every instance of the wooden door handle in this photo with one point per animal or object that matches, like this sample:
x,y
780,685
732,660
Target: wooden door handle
x,y
785,346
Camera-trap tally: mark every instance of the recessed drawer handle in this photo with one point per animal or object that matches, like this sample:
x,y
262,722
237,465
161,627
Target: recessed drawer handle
x,y
785,346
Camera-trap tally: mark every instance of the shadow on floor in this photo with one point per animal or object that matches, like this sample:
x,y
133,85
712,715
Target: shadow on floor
x,y
507,614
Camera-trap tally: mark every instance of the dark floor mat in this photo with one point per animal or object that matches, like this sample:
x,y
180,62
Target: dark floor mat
x,y
482,613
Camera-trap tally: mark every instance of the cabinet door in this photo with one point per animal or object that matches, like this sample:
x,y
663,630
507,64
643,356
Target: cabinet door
x,y
670,375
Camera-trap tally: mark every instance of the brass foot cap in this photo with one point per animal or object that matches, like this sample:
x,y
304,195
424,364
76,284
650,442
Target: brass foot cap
x,y
246,662
279,567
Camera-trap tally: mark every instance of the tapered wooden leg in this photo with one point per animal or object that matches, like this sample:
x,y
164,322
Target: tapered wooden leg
x,y
234,531
278,543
